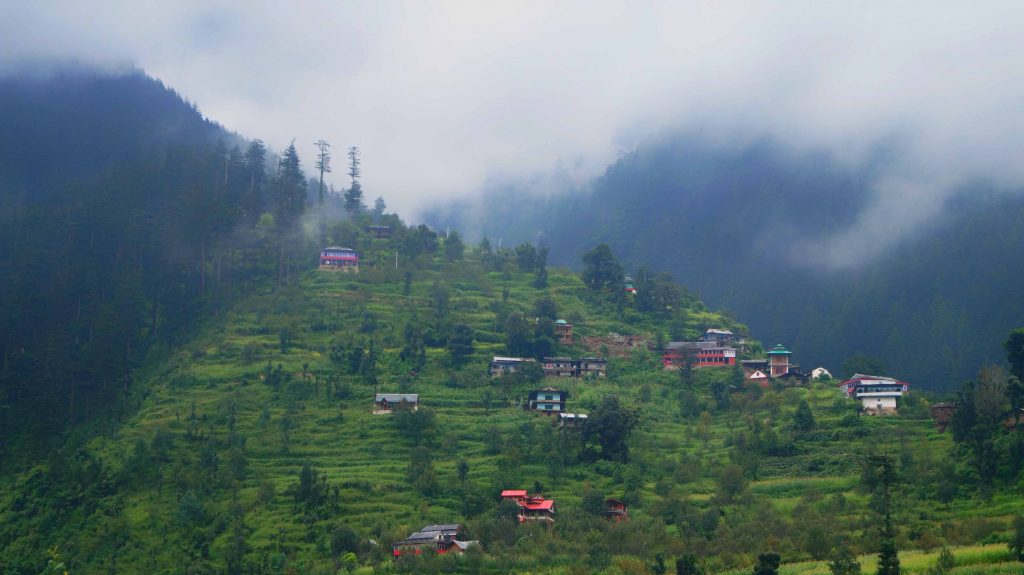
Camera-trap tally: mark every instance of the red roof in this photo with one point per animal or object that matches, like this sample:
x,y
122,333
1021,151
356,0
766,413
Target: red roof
x,y
514,493
537,504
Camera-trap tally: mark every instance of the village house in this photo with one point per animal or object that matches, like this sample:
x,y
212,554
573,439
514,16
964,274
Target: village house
x,y
506,365
778,360
440,538
339,259
877,394
560,367
531,508
792,378
820,373
385,403
720,336
699,353
571,420
595,366
379,232
615,510
759,377
548,400
776,368
563,331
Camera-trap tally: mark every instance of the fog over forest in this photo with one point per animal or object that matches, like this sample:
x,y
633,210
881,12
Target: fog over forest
x,y
447,99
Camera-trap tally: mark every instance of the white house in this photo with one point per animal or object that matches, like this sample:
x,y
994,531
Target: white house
x,y
821,373
877,394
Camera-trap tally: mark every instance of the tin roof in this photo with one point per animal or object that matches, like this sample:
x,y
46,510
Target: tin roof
x,y
397,397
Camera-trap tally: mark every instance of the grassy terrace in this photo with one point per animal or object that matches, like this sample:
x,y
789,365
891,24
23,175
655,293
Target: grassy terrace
x,y
675,459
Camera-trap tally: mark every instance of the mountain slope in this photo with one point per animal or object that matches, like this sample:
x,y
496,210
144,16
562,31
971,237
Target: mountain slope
x,y
208,474
732,223
115,198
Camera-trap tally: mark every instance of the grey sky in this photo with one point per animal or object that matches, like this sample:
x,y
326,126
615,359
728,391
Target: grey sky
x,y
443,96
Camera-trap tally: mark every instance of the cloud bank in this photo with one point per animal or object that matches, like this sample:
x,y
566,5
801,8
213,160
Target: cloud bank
x,y
443,97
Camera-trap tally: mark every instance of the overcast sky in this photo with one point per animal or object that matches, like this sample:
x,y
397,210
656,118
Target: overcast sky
x,y
444,96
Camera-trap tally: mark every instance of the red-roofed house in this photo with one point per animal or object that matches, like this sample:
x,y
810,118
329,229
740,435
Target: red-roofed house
x,y
615,510
531,508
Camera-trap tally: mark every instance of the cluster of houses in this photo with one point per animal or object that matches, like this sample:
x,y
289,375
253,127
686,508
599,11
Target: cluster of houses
x,y
440,538
552,366
777,367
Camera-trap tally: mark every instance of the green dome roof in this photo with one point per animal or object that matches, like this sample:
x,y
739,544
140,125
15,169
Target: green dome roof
x,y
779,350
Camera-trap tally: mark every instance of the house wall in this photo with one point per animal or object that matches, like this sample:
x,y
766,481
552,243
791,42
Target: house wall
x,y
877,404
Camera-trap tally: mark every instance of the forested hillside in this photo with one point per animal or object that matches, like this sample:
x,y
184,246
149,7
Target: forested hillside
x,y
124,217
253,447
732,223
183,389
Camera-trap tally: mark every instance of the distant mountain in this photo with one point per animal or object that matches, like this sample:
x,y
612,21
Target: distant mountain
x,y
71,125
731,224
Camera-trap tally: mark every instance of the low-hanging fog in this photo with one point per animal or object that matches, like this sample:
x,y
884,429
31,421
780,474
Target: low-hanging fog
x,y
444,97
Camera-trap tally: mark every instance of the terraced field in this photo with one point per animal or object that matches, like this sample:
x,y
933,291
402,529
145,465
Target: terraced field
x,y
215,393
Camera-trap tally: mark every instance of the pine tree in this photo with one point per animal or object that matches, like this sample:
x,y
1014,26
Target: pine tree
x,y
354,195
888,554
803,419
323,163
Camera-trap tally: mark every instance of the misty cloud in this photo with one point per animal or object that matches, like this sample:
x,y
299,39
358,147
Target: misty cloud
x,y
444,97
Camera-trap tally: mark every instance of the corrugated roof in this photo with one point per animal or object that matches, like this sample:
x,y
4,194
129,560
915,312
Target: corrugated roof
x,y
397,397
444,527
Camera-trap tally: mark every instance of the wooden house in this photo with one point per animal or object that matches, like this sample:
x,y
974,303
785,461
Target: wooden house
x,y
563,331
439,538
339,259
793,378
548,400
698,353
759,377
877,394
615,510
595,366
778,360
379,232
385,403
506,365
560,367
531,508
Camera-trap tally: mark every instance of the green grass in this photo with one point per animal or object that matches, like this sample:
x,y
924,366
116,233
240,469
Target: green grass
x,y
365,456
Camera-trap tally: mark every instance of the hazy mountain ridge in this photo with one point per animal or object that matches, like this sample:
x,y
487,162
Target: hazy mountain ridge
x,y
736,224
71,125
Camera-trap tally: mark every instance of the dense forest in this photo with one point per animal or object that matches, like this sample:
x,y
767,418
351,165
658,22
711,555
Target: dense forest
x,y
733,223
126,218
